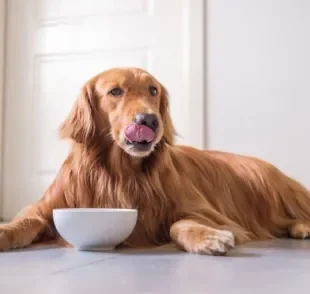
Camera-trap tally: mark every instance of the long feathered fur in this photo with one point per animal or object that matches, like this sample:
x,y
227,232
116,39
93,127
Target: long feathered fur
x,y
244,195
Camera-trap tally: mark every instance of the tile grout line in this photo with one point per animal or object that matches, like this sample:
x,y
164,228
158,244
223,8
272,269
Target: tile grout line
x,y
86,264
82,265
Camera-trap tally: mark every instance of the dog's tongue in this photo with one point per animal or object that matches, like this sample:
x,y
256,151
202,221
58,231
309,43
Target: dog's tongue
x,y
139,133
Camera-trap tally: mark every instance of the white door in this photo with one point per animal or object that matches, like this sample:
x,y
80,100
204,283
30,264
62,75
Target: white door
x,y
54,46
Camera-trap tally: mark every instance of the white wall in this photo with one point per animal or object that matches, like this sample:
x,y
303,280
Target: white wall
x,y
258,80
2,32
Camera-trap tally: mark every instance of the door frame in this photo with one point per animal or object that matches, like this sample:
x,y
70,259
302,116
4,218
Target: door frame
x,y
2,69
194,68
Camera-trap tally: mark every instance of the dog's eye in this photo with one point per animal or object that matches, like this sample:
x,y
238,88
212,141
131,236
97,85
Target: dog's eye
x,y
153,91
116,92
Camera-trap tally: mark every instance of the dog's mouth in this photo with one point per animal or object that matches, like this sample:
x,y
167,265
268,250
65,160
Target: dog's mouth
x,y
139,137
140,146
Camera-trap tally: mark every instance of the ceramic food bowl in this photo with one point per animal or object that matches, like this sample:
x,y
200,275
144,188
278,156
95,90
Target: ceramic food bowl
x,y
95,228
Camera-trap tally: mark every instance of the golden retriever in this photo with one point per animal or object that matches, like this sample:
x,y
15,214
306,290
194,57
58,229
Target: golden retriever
x,y
123,156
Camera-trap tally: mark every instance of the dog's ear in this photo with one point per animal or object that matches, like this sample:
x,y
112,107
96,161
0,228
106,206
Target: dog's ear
x,y
80,124
169,130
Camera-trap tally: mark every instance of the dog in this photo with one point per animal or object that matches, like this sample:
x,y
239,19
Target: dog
x,y
123,155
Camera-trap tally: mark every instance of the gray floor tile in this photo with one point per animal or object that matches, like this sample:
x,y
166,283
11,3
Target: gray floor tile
x,y
27,265
265,267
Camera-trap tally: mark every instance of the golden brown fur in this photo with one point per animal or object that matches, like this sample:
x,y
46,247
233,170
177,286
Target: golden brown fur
x,y
203,201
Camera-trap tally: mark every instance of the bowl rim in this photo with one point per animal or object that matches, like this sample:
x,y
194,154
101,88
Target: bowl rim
x,y
84,210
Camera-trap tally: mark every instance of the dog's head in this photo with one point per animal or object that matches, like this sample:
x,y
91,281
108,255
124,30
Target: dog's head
x,y
125,105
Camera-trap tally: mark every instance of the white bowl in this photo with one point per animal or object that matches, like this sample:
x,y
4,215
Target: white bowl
x,y
95,228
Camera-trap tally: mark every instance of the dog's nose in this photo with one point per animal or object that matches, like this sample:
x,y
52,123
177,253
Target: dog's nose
x,y
149,120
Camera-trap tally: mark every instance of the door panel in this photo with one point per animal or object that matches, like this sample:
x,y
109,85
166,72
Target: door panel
x,y
53,47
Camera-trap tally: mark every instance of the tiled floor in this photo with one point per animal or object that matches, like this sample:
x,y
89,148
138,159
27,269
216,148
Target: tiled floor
x,y
268,267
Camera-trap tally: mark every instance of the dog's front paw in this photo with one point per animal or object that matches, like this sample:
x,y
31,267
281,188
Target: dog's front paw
x,y
6,238
14,237
215,243
197,238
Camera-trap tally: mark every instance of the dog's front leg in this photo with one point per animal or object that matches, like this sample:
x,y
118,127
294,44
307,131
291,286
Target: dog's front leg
x,y
33,220
194,237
